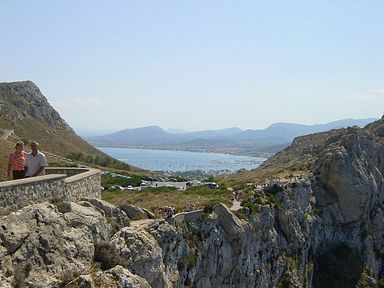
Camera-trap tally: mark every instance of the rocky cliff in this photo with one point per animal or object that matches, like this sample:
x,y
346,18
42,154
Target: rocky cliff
x,y
323,230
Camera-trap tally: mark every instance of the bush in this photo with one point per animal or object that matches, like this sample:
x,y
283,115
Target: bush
x,y
108,180
188,262
285,282
273,189
104,161
208,209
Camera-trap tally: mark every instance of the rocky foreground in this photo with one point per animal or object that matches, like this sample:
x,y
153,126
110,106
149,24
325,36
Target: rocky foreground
x,y
324,230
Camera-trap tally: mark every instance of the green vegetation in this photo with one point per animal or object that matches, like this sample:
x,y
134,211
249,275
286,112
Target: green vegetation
x,y
285,282
153,198
99,160
273,189
124,180
189,262
209,179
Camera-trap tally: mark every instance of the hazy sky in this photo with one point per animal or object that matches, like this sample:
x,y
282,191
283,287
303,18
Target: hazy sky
x,y
198,64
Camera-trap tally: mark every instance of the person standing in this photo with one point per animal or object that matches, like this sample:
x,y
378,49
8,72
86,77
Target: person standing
x,y
16,162
35,162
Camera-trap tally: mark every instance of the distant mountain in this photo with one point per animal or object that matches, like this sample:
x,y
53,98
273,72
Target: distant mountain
x,y
289,131
213,134
145,133
136,137
84,132
176,131
231,140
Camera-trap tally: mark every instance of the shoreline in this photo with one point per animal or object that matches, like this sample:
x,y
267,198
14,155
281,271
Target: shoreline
x,y
184,162
210,151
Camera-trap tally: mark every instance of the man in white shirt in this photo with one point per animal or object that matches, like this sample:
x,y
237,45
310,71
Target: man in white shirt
x,y
35,162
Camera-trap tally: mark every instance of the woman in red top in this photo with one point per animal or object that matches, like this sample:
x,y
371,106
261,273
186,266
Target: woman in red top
x,y
16,162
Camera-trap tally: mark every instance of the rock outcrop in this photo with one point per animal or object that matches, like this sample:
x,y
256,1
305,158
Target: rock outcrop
x,y
136,213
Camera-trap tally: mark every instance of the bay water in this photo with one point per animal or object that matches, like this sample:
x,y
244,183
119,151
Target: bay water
x,y
181,161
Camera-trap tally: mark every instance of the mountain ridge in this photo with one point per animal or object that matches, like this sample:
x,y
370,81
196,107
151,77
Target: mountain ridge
x,y
261,142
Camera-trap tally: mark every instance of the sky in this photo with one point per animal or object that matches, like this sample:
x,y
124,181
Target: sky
x,y
198,64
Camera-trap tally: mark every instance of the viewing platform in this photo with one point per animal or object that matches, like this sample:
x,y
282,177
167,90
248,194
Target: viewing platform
x,y
59,184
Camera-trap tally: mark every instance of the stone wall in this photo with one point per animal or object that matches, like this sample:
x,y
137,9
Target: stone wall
x,y
69,171
70,185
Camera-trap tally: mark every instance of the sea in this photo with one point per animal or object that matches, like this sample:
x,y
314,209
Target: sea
x,y
182,161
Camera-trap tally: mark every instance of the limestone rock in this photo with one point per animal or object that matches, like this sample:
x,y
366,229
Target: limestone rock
x,y
117,217
150,215
133,212
83,281
46,248
120,277
232,225
141,253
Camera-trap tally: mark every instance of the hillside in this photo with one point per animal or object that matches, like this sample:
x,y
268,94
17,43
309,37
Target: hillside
x,y
316,225
262,142
27,112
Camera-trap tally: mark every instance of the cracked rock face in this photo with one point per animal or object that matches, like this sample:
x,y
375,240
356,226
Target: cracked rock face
x,y
41,246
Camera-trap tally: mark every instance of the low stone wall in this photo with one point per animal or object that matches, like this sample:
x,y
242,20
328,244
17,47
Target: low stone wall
x,y
70,185
69,171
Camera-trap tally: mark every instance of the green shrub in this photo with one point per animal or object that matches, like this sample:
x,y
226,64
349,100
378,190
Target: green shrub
x,y
108,180
189,262
285,282
273,189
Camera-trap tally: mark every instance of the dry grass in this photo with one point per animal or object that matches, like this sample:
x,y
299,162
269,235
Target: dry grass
x,y
260,176
6,149
154,198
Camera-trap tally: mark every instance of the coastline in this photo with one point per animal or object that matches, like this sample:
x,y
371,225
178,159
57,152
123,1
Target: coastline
x,y
171,161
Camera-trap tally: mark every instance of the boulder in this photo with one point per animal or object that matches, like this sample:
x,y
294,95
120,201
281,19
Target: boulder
x,y
150,215
46,248
119,276
232,225
116,216
133,212
83,281
140,253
